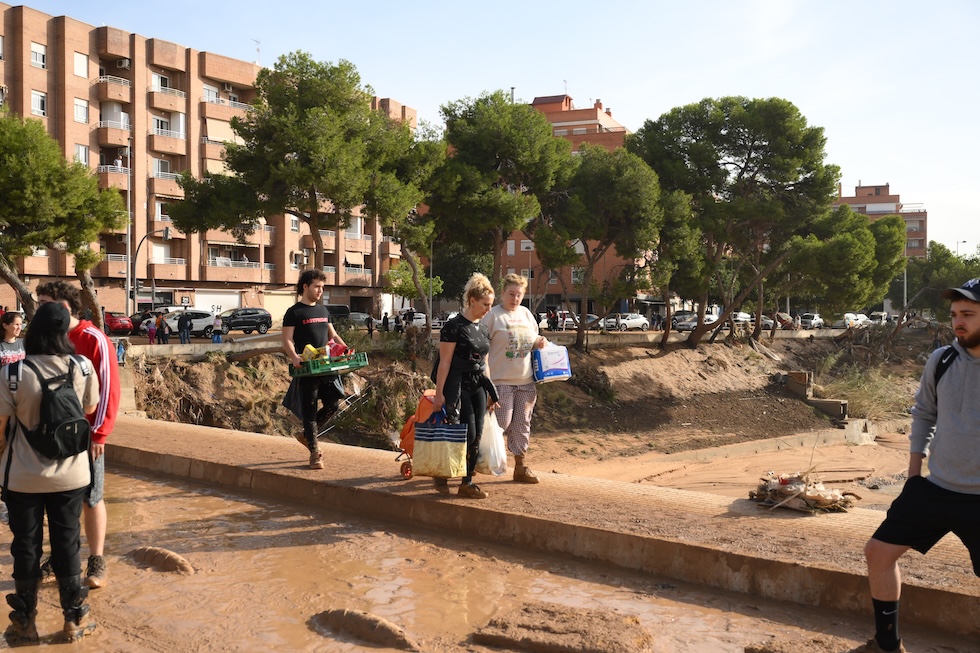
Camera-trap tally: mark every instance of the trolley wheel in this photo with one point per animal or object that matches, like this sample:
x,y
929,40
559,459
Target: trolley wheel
x,y
407,469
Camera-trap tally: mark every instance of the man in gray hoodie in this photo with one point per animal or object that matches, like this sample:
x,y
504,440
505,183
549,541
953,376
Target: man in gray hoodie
x,y
946,428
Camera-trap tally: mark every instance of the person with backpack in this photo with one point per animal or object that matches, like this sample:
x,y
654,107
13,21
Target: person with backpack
x,y
945,424
42,397
92,343
184,324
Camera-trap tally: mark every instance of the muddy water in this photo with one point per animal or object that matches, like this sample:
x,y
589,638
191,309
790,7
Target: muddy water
x,y
264,568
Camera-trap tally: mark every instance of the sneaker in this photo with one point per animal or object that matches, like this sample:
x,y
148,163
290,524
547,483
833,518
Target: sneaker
x,y
316,460
95,576
472,491
441,485
872,646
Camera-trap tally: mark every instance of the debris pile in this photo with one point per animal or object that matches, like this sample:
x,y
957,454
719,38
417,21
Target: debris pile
x,y
799,491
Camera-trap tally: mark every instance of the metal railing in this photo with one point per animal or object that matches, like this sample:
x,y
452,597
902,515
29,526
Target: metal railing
x,y
115,124
116,258
168,261
211,141
169,133
156,174
227,103
113,168
269,266
352,235
328,233
112,79
229,263
329,269
166,90
357,272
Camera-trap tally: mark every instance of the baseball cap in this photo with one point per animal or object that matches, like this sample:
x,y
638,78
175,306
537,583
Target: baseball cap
x,y
969,290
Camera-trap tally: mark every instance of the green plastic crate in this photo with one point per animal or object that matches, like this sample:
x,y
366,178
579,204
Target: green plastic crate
x,y
322,366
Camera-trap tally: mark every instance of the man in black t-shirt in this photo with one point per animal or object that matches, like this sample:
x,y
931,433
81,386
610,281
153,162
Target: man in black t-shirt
x,y
307,322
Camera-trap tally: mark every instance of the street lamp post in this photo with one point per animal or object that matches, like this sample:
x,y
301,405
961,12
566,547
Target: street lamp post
x,y
130,266
166,236
958,243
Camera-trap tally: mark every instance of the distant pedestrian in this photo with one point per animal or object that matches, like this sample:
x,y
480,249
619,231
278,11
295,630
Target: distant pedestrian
x,y
384,323
151,330
184,323
398,323
369,323
216,330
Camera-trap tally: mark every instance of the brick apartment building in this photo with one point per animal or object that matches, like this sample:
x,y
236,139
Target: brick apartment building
x,y
595,126
139,111
877,201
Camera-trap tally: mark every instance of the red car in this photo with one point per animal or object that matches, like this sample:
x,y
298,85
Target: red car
x,y
117,323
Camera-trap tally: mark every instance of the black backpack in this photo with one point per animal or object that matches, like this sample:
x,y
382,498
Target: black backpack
x,y
63,431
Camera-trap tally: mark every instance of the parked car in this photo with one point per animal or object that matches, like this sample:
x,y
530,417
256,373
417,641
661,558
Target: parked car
x,y
766,323
811,321
418,319
246,320
852,320
141,319
880,317
741,317
117,323
627,321
690,323
679,316
202,322
358,319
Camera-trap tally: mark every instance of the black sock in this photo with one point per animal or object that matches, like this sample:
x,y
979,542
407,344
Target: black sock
x,y
886,624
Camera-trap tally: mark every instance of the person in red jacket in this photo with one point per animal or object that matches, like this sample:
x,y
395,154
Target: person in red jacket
x,y
91,342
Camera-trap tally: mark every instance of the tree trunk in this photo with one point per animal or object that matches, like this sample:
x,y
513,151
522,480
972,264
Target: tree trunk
x,y
89,299
416,280
9,274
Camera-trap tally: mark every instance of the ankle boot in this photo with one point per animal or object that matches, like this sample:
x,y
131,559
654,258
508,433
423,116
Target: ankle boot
x,y
23,627
523,474
73,595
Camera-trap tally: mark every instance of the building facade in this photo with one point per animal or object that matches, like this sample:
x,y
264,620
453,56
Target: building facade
x,y
878,201
140,111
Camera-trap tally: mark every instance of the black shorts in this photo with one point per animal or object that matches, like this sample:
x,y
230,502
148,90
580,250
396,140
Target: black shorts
x,y
924,513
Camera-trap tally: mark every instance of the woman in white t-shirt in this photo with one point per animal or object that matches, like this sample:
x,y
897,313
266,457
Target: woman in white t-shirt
x,y
513,334
35,485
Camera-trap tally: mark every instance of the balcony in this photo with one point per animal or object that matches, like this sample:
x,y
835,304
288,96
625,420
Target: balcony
x,y
357,276
164,184
167,99
114,133
225,269
389,248
168,141
212,149
113,177
112,266
115,89
221,109
331,273
171,269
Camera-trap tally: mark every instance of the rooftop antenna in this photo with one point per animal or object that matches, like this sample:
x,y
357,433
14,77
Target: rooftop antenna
x,y
258,52
566,86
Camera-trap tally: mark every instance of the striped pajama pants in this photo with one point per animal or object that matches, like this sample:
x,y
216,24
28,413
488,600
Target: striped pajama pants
x,y
514,415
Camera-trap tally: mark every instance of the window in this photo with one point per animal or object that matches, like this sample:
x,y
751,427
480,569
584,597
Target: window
x,y
161,166
1,47
81,153
527,245
160,81
163,211
578,131
294,223
233,97
81,111
578,274
161,124
81,65
211,94
39,55
510,248
39,103
561,132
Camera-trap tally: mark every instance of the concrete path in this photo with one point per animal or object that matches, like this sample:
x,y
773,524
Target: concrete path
x,y
711,540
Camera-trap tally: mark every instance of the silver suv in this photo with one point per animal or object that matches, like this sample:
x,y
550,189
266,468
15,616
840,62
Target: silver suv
x,y
811,321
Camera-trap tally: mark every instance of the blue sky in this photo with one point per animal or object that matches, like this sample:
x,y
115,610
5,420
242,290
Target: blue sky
x,y
893,84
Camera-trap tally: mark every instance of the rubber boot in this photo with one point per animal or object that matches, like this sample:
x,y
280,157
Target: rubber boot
x,y
73,595
523,474
23,619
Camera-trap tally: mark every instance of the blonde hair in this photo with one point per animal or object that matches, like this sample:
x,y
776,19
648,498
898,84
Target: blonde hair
x,y
514,279
477,288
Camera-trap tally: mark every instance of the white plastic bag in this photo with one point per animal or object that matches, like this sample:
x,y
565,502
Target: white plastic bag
x,y
492,459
